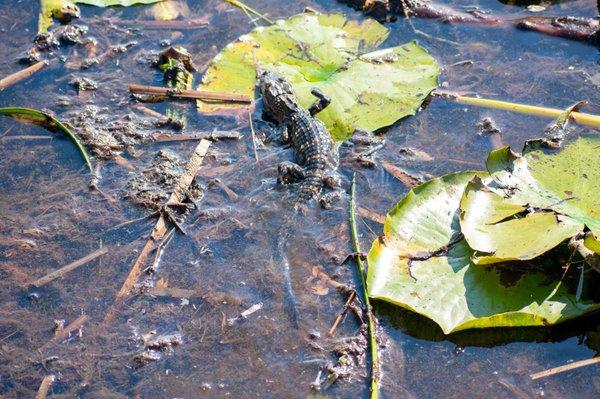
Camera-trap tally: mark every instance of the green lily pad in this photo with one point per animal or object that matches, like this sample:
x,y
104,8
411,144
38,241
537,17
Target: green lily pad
x,y
492,226
557,187
58,8
369,90
423,265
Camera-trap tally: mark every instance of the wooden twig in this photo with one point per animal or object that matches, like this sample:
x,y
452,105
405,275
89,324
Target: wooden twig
x,y
160,229
69,268
173,292
409,180
342,313
45,387
369,214
22,74
566,367
64,333
188,94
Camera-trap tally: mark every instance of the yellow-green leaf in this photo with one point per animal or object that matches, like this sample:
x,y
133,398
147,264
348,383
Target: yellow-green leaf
x,y
369,89
422,264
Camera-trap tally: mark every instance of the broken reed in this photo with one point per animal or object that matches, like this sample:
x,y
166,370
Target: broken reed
x,y
375,367
579,117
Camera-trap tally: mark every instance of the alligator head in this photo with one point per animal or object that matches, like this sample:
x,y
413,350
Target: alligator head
x,y
278,97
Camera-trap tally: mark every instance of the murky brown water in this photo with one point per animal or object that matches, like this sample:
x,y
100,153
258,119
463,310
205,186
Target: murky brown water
x,y
229,256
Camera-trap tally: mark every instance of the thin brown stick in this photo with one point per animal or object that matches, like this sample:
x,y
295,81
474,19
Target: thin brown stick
x,y
342,313
64,333
188,94
45,387
173,292
160,229
369,214
566,367
22,74
150,112
230,193
409,180
69,268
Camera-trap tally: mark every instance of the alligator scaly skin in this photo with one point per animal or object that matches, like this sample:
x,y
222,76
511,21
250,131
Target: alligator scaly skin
x,y
314,149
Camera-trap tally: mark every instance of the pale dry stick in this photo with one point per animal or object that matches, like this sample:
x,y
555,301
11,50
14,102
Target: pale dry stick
x,y
64,333
253,135
25,137
566,367
22,74
196,23
342,313
160,229
69,268
42,392
213,136
188,94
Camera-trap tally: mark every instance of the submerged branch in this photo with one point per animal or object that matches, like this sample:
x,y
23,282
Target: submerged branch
x,y
22,74
375,367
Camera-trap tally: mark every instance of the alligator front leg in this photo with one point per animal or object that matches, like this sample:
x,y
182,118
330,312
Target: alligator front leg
x,y
322,102
289,172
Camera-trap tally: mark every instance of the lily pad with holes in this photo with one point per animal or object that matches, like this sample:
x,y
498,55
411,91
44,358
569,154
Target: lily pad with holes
x,y
369,88
533,202
422,264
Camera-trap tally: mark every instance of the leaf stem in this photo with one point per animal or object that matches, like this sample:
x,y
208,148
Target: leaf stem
x,y
245,8
579,117
40,118
375,367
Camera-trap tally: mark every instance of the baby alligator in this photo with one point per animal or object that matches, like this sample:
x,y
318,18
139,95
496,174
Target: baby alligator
x,y
314,150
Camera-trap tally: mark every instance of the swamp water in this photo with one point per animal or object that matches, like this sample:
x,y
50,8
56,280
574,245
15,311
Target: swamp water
x,y
195,346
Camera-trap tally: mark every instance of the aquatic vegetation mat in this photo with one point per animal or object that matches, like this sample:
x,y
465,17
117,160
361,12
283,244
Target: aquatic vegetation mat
x,y
369,88
423,263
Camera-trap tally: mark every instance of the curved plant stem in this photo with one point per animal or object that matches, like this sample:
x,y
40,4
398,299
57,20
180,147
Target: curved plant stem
x,y
247,9
375,367
40,118
579,117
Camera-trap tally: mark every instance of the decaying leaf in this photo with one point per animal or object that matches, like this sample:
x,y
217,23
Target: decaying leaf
x,y
67,9
421,263
369,89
